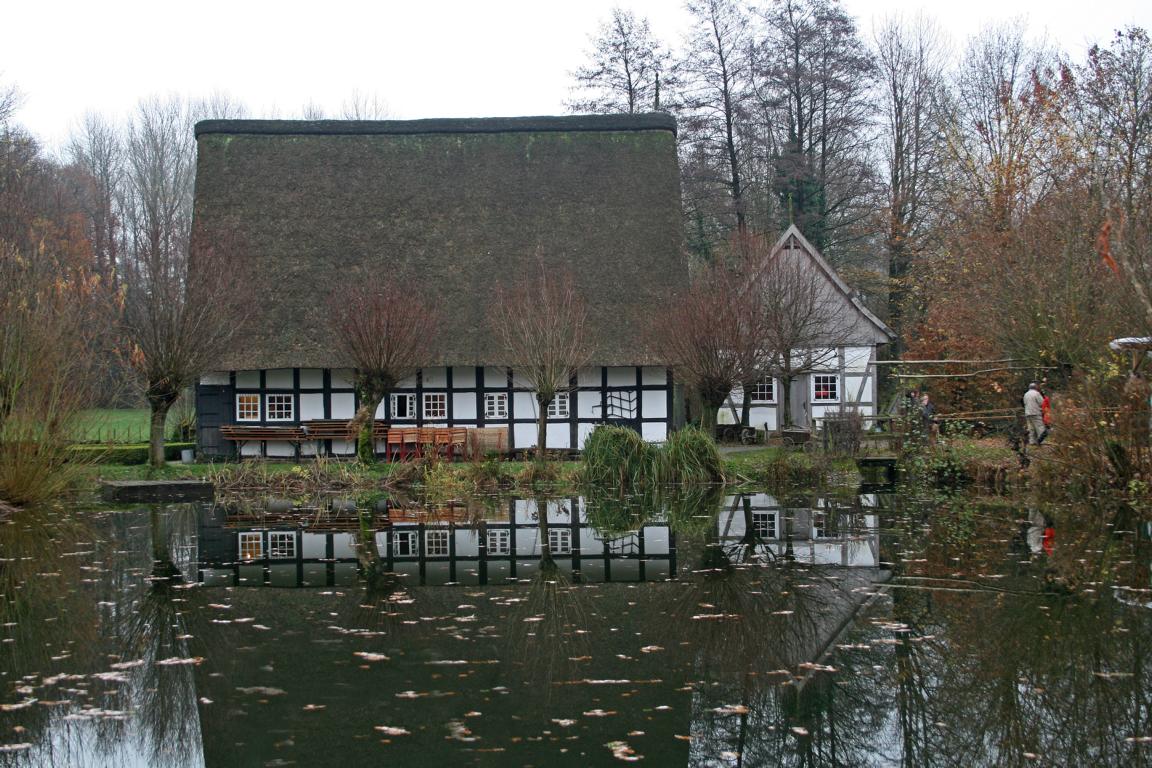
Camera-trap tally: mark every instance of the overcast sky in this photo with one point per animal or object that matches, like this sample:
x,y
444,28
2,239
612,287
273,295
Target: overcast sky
x,y
436,58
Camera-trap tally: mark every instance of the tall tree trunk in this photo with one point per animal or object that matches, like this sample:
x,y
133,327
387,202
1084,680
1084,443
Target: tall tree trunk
x,y
785,419
543,401
364,422
160,406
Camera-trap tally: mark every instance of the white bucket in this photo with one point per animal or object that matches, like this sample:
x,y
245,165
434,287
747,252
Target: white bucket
x,y
187,456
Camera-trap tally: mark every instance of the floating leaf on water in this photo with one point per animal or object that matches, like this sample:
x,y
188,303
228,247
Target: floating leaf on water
x,y
19,705
262,691
369,656
563,723
599,713
175,661
621,751
14,747
799,731
314,707
460,732
651,649
731,709
392,730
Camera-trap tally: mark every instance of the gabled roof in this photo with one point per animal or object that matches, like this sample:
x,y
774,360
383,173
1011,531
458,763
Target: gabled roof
x,y
793,238
462,204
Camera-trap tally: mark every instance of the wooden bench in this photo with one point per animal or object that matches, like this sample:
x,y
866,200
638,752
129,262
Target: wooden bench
x,y
241,434
328,429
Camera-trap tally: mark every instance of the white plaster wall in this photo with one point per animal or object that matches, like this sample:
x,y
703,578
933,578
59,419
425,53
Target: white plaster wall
x,y
343,447
655,405
247,379
523,511
559,436
519,381
654,375
311,406
760,415
582,432
215,379
435,377
342,378
467,542
654,432
312,545
278,378
250,449
281,449
588,405
408,383
622,376
343,405
463,377
856,358
588,377
380,409
524,405
311,378
495,378
589,544
463,405
524,436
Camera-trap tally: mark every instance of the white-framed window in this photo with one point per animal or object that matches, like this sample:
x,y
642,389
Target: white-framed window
x,y
764,524
403,405
247,407
825,387
280,407
495,405
435,405
251,545
436,543
282,545
560,541
764,391
558,408
499,541
404,543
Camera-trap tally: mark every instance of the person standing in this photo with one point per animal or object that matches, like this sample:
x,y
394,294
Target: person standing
x,y
1034,413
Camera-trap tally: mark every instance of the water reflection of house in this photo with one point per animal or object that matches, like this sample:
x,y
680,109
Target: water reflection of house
x,y
822,531
434,548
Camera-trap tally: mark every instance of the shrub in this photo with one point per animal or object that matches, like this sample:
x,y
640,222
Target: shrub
x,y
619,457
690,456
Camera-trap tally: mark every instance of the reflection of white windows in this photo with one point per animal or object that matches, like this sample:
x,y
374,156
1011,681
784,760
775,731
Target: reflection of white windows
x,y
558,408
435,405
251,545
819,525
280,407
403,543
282,544
764,391
247,407
499,542
825,387
436,543
621,405
624,545
560,541
764,524
496,405
403,406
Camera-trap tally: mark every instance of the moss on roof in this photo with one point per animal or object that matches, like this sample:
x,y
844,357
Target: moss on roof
x,y
461,204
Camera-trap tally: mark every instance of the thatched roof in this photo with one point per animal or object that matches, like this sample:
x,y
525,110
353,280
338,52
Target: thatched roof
x,y
463,204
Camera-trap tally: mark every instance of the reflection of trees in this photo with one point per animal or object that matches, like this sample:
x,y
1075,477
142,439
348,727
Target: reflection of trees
x,y
546,639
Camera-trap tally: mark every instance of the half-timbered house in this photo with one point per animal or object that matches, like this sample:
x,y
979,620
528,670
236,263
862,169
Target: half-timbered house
x,y
464,204
840,373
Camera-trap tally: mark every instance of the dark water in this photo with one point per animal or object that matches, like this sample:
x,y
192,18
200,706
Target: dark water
x,y
712,630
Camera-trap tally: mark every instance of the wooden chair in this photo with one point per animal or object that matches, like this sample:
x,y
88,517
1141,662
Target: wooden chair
x,y
394,444
411,439
442,440
459,444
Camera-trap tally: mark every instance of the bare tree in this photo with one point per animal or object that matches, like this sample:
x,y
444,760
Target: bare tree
x,y
96,150
175,319
818,73
709,336
715,73
626,69
388,333
364,106
803,320
910,63
541,322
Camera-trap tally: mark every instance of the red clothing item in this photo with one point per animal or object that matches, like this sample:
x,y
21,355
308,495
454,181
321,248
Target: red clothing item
x,y
1046,411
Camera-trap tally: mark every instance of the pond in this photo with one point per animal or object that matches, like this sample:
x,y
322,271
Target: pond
x,y
712,629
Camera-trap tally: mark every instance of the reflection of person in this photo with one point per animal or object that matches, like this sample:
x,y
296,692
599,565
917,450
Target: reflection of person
x,y
1041,535
1034,413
